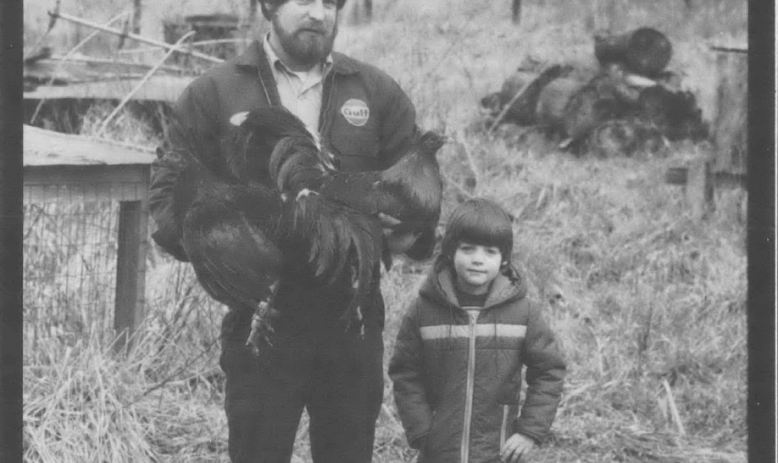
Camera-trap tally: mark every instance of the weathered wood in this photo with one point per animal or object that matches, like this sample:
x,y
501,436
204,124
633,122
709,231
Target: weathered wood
x,y
730,133
136,37
516,11
158,88
64,168
48,148
699,188
130,271
137,14
679,175
644,51
78,184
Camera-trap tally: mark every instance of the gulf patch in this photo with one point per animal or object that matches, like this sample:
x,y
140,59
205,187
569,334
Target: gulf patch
x,y
356,112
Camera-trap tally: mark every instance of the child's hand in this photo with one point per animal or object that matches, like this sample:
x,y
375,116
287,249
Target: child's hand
x,y
516,448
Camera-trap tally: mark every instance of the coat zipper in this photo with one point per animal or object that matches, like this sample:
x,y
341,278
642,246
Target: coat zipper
x,y
472,318
504,427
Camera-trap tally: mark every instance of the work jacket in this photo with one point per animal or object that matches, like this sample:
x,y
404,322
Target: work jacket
x,y
457,376
366,122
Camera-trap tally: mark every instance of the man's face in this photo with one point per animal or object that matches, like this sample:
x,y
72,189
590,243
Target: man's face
x,y
306,29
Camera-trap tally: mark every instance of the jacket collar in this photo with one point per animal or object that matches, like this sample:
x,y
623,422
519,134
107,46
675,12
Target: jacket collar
x,y
254,58
439,286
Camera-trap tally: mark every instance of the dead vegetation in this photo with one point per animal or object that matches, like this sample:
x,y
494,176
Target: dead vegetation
x,y
648,304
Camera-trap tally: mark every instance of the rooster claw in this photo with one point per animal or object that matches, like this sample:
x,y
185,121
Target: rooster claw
x,y
261,332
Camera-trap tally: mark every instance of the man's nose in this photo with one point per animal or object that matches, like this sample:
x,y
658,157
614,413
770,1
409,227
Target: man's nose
x,y
316,10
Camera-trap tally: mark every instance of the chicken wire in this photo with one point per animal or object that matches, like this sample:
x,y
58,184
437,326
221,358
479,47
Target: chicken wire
x,y
70,255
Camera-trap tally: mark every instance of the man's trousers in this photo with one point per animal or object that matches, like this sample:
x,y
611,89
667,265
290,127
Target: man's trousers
x,y
336,376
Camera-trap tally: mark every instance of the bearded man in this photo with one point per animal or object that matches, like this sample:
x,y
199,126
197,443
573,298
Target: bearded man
x,y
365,120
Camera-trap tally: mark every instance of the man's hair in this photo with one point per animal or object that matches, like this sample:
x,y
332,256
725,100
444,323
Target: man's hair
x,y
270,5
478,221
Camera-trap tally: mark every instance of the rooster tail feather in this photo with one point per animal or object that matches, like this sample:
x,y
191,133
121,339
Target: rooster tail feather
x,y
367,246
294,165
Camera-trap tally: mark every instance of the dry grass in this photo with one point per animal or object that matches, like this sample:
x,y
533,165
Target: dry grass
x,y
640,295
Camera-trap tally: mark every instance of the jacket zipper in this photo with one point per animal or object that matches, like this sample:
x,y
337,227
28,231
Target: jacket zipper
x,y
472,318
504,427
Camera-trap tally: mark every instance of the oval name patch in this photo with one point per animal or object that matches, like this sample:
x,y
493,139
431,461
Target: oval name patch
x,y
356,112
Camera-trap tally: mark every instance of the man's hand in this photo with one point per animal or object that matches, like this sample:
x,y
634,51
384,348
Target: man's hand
x,y
398,242
516,448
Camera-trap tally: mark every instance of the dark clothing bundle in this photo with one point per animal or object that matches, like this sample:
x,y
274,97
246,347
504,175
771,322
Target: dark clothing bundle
x,y
457,373
337,376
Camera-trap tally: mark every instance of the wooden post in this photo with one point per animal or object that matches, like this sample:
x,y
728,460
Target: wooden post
x,y
699,188
516,12
130,270
137,10
730,137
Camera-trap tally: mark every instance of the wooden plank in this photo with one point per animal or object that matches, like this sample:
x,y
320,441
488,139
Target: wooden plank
x,y
730,136
679,175
48,148
699,188
72,184
159,88
516,11
130,271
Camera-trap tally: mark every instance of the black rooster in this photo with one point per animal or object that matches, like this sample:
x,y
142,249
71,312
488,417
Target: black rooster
x,y
243,238
409,191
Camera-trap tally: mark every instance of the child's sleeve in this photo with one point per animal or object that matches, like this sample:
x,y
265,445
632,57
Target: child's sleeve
x,y
545,375
406,369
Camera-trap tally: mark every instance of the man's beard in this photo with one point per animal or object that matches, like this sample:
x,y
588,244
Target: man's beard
x,y
305,46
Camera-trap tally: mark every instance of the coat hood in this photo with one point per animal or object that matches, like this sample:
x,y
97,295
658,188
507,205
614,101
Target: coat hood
x,y
439,287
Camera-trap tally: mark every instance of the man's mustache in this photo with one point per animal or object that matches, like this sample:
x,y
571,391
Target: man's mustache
x,y
318,28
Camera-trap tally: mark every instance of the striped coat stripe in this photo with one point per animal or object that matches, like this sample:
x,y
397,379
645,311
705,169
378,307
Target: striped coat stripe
x,y
463,331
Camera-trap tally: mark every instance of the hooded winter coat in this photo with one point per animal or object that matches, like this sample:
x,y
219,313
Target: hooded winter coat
x,y
457,377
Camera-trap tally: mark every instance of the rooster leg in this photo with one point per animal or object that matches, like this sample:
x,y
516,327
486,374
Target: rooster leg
x,y
262,322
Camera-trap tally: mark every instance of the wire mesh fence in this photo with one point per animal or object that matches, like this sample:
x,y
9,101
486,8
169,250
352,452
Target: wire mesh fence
x,y
70,255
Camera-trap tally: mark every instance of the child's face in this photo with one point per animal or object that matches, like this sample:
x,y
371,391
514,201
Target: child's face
x,y
476,266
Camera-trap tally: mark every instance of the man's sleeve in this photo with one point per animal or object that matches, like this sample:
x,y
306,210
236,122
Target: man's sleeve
x,y
406,369
545,376
398,125
193,113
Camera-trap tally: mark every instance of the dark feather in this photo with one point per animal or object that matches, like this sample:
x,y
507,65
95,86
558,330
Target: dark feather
x,y
410,190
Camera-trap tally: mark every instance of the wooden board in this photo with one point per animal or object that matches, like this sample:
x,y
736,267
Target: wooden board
x,y
48,148
158,88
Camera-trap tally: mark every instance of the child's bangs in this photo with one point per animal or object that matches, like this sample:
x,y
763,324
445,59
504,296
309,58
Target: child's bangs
x,y
485,227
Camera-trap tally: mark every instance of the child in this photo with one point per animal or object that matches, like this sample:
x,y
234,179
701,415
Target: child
x,y
457,362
